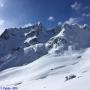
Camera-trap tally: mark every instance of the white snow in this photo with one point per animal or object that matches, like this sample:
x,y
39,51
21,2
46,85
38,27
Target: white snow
x,y
49,72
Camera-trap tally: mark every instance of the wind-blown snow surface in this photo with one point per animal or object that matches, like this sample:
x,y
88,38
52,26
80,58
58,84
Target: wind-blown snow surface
x,y
49,72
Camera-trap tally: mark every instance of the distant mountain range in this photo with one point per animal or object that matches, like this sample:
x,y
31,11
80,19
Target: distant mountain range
x,y
19,46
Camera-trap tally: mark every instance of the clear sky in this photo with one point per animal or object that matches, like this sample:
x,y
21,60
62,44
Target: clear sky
x,y
14,13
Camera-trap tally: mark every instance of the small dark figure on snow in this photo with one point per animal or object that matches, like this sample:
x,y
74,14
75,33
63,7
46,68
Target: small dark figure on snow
x,y
70,77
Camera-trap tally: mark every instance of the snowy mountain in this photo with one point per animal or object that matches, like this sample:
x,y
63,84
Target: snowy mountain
x,y
36,58
74,37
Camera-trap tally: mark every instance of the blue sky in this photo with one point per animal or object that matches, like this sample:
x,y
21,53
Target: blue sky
x,y
15,13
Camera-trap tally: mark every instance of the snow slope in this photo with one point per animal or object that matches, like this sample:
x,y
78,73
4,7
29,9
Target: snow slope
x,y
49,72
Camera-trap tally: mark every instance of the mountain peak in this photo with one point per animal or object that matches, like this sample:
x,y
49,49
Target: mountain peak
x,y
60,37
